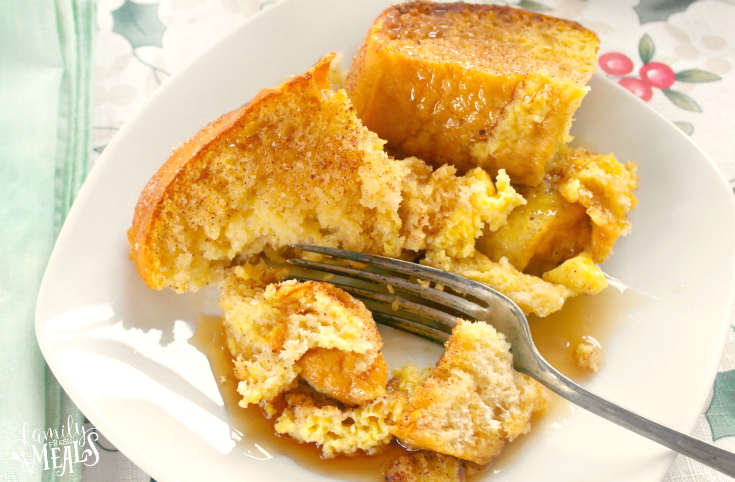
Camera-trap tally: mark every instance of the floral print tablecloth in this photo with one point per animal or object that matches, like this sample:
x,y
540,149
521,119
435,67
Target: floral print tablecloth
x,y
677,55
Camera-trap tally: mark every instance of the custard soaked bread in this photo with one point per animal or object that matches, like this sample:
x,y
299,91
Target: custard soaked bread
x,y
582,205
425,466
290,330
295,165
472,85
473,402
284,168
468,406
338,430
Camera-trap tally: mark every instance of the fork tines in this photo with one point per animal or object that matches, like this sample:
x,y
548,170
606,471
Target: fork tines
x,y
426,321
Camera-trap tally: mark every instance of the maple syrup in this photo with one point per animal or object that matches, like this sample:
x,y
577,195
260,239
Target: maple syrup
x,y
584,318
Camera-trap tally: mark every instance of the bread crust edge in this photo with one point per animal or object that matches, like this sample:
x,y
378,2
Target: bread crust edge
x,y
185,156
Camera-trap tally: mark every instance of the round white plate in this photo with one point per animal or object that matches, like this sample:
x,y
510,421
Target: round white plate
x,y
122,352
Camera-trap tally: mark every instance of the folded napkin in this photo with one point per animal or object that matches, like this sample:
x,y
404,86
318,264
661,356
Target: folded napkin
x,y
45,112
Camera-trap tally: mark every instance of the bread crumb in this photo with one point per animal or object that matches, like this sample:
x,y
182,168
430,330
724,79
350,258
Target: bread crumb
x,y
588,354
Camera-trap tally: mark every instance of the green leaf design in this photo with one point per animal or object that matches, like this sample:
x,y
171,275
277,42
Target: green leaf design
x,y
721,411
139,24
682,100
646,48
696,76
531,5
660,10
685,126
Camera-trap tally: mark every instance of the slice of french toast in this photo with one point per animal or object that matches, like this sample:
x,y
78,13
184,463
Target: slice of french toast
x,y
472,85
286,167
296,165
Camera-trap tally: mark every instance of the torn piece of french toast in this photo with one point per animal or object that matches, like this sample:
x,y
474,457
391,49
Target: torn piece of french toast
x,y
472,85
582,205
338,430
311,331
292,165
295,165
531,293
424,466
442,211
604,186
473,402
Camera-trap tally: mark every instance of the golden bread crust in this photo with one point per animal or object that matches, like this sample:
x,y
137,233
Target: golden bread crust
x,y
184,158
472,85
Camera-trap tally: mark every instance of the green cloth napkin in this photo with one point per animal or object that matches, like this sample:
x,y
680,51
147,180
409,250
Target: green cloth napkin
x,y
45,114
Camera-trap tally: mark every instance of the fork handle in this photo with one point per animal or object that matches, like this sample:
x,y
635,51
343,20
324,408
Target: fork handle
x,y
703,452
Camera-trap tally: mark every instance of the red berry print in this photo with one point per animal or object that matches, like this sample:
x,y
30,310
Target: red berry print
x,y
615,63
639,87
658,75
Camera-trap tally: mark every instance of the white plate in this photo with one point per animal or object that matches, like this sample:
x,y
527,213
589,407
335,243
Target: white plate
x,y
121,351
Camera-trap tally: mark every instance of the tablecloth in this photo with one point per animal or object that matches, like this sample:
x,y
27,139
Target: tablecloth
x,y
677,56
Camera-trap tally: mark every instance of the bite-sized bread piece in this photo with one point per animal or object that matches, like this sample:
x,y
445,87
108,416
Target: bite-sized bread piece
x,y
473,402
424,466
472,85
588,355
580,274
443,211
292,165
338,430
604,186
310,329
541,234
531,293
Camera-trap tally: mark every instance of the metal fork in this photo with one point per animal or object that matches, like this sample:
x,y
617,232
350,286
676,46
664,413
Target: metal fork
x,y
436,324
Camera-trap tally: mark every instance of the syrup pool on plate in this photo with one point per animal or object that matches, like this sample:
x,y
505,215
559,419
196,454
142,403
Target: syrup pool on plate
x,y
556,336
584,318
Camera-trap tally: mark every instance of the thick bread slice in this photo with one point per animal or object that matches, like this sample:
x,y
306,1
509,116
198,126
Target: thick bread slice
x,y
472,85
292,165
296,165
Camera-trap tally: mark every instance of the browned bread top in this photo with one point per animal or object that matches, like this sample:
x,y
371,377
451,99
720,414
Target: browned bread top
x,y
500,39
284,168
